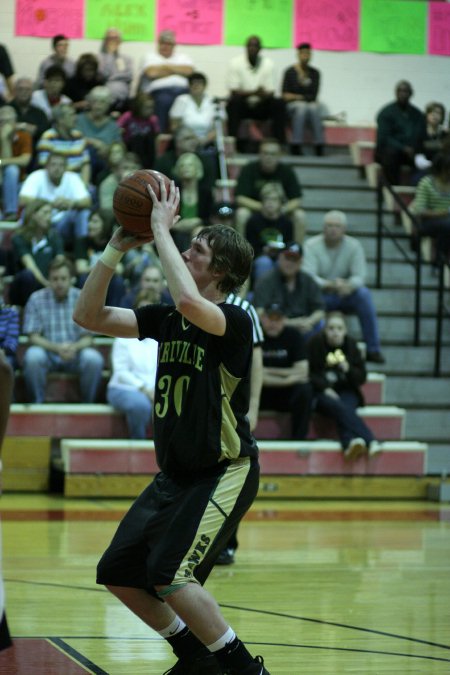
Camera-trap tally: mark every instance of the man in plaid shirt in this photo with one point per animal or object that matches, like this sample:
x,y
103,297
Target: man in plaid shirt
x,y
56,342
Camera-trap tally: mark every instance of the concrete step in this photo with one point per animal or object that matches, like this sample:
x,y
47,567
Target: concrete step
x,y
400,275
338,198
400,329
428,424
410,391
402,360
438,458
401,300
326,178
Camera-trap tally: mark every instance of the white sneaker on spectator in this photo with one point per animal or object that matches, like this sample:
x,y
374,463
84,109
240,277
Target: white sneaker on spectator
x,y
355,449
375,448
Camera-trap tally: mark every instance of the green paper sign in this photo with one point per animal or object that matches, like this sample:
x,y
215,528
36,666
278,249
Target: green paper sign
x,y
135,20
393,26
271,20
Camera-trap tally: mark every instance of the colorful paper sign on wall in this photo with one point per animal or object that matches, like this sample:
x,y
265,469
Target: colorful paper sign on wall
x,y
46,18
271,20
195,22
393,26
328,24
439,28
135,19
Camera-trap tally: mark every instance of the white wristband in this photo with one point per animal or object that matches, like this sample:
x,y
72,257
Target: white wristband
x,y
111,256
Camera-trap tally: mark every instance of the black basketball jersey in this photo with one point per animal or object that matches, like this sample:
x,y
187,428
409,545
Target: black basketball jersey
x,y
201,392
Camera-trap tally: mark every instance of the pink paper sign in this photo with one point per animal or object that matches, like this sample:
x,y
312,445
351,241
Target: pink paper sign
x,y
46,18
195,22
328,24
439,28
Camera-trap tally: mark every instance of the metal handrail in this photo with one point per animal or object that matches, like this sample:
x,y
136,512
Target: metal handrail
x,y
381,229
442,264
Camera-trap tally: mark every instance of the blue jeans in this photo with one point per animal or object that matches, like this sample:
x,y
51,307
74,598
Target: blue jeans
x,y
136,406
38,362
10,188
360,303
305,112
71,225
343,410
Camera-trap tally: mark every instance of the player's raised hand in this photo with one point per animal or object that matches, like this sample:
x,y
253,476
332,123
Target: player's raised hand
x,y
165,209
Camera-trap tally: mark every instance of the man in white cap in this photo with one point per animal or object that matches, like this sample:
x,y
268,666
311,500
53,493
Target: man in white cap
x,y
338,264
164,75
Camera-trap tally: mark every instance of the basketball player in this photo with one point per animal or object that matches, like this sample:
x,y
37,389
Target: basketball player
x,y
165,547
6,379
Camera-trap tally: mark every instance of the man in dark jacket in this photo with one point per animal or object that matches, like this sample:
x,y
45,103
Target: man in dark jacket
x,y
400,134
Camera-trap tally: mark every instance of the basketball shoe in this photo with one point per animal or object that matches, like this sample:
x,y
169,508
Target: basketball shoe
x,y
206,664
255,668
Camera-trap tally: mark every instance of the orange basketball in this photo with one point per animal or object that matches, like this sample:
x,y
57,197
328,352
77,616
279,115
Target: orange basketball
x,y
132,204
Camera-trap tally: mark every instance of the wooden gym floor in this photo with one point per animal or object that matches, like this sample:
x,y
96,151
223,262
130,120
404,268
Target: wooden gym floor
x,y
318,588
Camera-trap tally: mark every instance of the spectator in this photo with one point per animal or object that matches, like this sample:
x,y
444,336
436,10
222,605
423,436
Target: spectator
x,y
60,46
63,139
116,153
7,73
286,386
268,230
432,205
16,149
127,164
66,193
337,372
56,342
400,134
9,330
164,76
116,68
251,82
300,89
88,250
29,117
51,93
131,389
196,110
151,281
435,138
185,140
99,128
35,245
140,127
86,77
338,264
196,199
295,291
269,168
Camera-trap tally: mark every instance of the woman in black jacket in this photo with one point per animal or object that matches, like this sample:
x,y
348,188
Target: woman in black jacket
x,y
337,372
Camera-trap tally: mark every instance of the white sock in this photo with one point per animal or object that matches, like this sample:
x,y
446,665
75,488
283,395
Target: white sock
x,y
222,641
172,629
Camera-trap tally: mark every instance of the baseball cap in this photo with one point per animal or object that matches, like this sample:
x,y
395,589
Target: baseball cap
x,y
274,309
167,36
292,250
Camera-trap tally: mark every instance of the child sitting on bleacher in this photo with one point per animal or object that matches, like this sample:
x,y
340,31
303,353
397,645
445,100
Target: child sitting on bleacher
x,y
337,372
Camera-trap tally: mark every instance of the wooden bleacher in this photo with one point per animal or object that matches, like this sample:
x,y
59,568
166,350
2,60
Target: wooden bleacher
x,y
105,467
99,460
